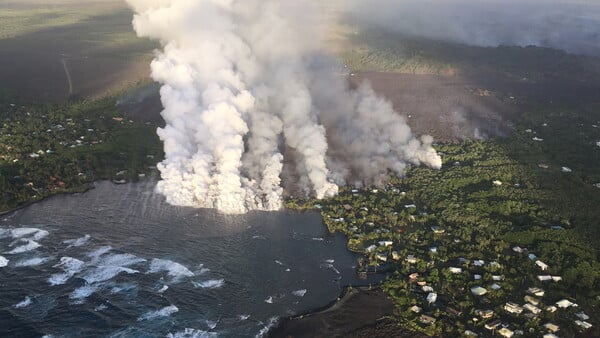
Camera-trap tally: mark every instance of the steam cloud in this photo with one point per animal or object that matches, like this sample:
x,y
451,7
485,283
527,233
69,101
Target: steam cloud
x,y
571,25
252,104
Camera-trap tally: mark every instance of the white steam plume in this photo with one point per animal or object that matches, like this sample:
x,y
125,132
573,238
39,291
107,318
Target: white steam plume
x,y
246,88
571,25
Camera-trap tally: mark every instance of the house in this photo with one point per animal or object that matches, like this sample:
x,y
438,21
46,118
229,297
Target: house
x,y
542,265
478,262
410,206
455,270
493,325
536,291
532,256
453,311
371,248
581,315
497,183
495,287
425,319
395,255
485,314
415,309
437,230
347,207
476,277
549,335
583,324
433,249
532,300
544,278
381,257
497,278
551,309
518,249
478,291
551,327
413,276
432,297
427,288
505,332
532,308
411,259
386,243
563,304
470,333
556,278
513,308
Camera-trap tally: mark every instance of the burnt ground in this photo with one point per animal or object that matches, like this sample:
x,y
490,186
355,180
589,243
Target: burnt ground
x,y
358,313
101,54
476,105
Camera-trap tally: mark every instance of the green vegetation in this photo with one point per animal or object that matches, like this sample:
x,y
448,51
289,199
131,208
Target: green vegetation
x,y
25,17
490,197
371,50
47,149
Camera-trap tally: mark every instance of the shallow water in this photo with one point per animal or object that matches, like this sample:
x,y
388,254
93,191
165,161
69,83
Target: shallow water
x,y
118,262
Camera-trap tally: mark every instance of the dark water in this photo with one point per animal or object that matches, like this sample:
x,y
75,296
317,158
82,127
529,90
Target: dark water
x,y
117,261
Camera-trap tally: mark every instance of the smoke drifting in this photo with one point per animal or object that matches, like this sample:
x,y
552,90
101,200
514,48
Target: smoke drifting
x,y
252,104
571,25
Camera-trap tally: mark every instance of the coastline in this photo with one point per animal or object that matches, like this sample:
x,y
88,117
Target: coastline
x,y
358,312
79,190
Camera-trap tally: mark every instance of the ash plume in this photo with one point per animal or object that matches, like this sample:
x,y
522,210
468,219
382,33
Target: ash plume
x,y
571,25
252,104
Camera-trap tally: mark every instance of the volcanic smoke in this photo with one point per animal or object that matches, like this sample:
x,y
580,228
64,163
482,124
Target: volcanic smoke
x,y
253,104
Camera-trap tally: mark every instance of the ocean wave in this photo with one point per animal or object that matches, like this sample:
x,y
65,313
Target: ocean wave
x,y
31,245
210,284
95,255
164,312
24,303
3,262
104,273
118,260
299,293
173,269
77,242
192,333
272,322
32,262
70,266
83,292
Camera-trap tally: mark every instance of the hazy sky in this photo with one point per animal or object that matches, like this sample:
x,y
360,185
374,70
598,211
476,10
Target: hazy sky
x,y
565,24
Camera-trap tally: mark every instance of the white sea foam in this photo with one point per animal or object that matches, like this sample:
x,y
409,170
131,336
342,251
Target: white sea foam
x,y
330,261
32,262
3,262
319,239
164,312
22,232
83,292
212,324
173,269
95,255
192,333
70,266
118,260
100,307
243,317
269,300
77,242
163,289
24,303
210,284
31,245
267,327
104,273
299,293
